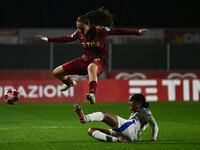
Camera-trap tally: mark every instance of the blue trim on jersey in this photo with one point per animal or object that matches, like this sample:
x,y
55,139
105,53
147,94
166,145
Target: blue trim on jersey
x,y
147,109
125,126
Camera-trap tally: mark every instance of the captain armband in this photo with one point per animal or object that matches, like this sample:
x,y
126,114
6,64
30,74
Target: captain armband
x,y
151,120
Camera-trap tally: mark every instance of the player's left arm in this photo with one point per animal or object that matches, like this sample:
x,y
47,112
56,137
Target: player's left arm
x,y
154,127
122,31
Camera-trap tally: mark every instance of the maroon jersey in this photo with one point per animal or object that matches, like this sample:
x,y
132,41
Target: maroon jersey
x,y
94,42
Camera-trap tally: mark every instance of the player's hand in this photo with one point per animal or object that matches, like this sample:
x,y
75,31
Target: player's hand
x,y
44,38
143,31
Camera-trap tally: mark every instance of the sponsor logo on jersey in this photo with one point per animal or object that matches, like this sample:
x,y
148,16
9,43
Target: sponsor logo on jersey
x,y
107,28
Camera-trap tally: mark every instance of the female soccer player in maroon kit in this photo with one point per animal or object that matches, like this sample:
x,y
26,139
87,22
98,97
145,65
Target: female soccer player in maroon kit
x,y
92,29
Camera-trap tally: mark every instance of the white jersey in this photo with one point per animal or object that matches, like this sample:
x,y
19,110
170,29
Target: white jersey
x,y
145,117
142,115
132,128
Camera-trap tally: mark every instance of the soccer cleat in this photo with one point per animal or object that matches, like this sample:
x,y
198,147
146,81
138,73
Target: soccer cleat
x,y
91,98
122,139
80,113
110,138
64,87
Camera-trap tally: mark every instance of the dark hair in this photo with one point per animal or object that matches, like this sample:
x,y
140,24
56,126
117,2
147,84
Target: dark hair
x,y
140,98
99,17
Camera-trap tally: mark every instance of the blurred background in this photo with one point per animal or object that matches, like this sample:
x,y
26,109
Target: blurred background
x,y
171,48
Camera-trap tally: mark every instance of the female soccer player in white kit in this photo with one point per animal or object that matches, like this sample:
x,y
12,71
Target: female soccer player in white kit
x,y
128,129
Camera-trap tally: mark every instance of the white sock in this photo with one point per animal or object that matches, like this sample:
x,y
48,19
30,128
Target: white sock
x,y
97,116
103,137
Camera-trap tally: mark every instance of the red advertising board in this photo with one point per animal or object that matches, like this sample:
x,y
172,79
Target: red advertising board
x,y
153,74
116,74
41,91
108,90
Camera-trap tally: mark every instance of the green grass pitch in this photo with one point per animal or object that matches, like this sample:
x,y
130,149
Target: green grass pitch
x,y
55,126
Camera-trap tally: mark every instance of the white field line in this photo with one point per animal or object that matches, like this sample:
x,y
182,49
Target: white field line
x,y
44,127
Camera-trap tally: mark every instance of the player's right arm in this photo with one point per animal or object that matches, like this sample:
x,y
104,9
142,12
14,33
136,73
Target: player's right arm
x,y
62,39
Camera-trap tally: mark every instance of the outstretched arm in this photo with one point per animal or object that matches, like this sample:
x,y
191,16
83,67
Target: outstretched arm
x,y
44,38
122,31
62,39
143,31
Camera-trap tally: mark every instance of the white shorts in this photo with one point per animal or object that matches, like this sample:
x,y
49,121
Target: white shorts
x,y
128,129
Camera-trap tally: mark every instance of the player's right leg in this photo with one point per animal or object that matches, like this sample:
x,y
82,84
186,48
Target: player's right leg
x,y
95,68
106,117
61,74
92,73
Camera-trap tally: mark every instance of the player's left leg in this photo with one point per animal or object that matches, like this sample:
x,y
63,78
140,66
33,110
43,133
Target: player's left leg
x,y
94,69
102,135
106,117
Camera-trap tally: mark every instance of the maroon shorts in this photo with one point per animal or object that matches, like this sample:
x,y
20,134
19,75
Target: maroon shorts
x,y
79,66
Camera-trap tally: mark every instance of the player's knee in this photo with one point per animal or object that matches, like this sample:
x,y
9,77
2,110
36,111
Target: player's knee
x,y
57,72
90,131
92,68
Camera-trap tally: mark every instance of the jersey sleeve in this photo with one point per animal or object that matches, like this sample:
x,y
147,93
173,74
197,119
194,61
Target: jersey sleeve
x,y
144,128
118,31
65,39
154,127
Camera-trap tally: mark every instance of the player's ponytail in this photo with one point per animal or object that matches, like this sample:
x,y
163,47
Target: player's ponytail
x,y
141,98
145,105
98,17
